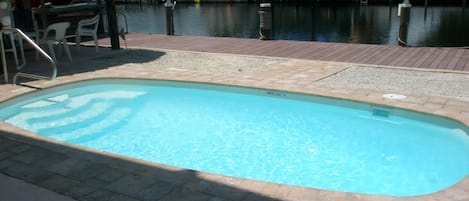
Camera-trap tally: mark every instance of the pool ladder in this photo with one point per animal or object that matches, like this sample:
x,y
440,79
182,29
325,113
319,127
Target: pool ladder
x,y
122,32
36,47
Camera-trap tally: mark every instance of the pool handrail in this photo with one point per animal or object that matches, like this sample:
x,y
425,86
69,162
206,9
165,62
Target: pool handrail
x,y
36,47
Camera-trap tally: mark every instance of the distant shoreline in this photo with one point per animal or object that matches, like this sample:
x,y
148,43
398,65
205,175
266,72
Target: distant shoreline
x,y
306,2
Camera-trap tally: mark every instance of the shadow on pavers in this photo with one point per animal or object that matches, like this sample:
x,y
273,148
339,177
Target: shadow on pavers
x,y
84,60
18,190
86,174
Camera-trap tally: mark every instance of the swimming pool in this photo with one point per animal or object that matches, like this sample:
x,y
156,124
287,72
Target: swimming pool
x,y
250,133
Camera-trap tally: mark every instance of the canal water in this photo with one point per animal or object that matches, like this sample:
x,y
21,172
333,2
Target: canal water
x,y
438,26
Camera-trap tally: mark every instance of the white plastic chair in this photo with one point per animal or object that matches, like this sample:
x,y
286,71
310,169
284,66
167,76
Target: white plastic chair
x,y
59,29
12,36
8,22
88,27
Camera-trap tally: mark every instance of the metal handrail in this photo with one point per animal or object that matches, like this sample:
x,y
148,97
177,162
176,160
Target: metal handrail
x,y
36,47
121,31
125,22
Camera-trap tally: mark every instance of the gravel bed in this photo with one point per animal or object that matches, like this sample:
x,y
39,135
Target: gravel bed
x,y
206,62
388,80
402,81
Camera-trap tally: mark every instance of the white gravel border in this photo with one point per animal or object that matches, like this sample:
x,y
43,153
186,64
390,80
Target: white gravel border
x,y
401,81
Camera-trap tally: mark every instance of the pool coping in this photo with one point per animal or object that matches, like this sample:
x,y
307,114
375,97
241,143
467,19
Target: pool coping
x,y
442,106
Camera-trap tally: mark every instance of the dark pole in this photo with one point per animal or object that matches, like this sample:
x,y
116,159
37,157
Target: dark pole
x,y
265,24
169,5
112,21
404,23
42,10
101,20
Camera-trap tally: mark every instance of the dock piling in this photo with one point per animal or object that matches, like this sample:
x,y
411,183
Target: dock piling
x,y
265,25
404,13
169,5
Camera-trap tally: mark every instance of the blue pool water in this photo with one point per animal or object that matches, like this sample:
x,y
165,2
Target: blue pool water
x,y
265,135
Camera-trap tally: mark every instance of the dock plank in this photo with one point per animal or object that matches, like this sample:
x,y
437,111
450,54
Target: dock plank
x,y
315,47
350,52
420,57
325,49
428,55
386,57
408,57
397,56
438,60
467,64
455,59
367,55
462,62
339,51
376,56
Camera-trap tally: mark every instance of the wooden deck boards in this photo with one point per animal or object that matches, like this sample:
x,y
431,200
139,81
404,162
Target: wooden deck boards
x,y
362,55
466,56
439,60
349,52
417,57
453,63
372,54
410,55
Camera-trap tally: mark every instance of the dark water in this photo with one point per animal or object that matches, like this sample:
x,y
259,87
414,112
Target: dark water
x,y
372,24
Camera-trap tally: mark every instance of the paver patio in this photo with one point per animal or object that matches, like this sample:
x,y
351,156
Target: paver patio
x,y
86,174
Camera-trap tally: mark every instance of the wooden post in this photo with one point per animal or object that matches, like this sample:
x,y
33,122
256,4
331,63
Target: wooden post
x,y
404,26
112,22
265,21
169,17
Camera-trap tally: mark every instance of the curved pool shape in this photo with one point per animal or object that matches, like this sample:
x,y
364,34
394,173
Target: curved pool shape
x,y
249,133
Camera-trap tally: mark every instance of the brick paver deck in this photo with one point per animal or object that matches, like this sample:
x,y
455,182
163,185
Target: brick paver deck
x,y
86,174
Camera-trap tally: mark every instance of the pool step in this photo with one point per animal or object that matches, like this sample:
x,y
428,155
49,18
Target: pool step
x,y
68,113
111,120
38,110
51,102
36,118
75,118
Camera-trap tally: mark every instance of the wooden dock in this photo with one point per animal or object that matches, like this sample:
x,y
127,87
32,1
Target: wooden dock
x,y
454,59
